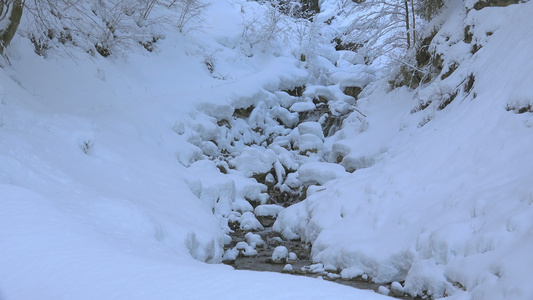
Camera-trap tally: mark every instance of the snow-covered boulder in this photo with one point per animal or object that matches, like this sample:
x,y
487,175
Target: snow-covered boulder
x,y
293,181
268,210
254,161
291,222
249,189
284,99
320,172
338,151
286,117
219,111
245,249
292,257
230,254
312,128
280,254
254,240
309,142
249,222
303,106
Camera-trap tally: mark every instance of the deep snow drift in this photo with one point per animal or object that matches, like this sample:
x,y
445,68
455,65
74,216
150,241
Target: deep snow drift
x,y
118,176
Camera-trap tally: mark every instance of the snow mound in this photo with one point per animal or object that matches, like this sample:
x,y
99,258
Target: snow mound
x,y
268,210
280,254
249,222
320,172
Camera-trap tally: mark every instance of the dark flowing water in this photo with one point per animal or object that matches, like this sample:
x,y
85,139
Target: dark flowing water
x,y
263,261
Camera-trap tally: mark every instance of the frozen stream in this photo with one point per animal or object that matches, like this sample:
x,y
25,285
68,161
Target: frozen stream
x,y
303,266
274,156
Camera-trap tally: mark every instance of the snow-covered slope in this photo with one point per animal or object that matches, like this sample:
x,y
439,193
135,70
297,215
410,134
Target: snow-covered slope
x,y
447,203
118,176
96,201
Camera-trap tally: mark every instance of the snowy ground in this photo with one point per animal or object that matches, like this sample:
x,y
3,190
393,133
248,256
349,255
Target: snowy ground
x,y
110,184
95,203
445,205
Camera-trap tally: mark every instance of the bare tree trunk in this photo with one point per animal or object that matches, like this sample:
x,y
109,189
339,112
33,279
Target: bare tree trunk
x,y
414,23
407,24
14,10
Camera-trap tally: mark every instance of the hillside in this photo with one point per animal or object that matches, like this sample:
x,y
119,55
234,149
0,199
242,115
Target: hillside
x,y
128,176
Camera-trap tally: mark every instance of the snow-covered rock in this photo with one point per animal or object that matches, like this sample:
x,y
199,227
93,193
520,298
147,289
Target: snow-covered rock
x,y
309,142
397,289
320,172
249,222
245,249
383,290
303,106
292,257
280,254
254,240
268,210
311,128
254,161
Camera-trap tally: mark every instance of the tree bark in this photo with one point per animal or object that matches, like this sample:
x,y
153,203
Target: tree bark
x,y
414,22
407,24
15,14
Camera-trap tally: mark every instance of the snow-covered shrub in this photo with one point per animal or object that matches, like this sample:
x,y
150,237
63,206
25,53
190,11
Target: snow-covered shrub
x,y
265,27
107,27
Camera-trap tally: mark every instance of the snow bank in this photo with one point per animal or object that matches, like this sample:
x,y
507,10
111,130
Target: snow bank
x,y
442,201
105,191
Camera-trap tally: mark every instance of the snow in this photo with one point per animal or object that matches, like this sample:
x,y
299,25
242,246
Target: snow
x,y
280,254
249,222
320,172
292,256
270,210
245,249
396,288
383,290
120,177
431,203
254,240
287,267
308,142
105,189
303,106
253,161
311,128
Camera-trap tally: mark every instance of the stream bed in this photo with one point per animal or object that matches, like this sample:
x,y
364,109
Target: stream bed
x,y
302,266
